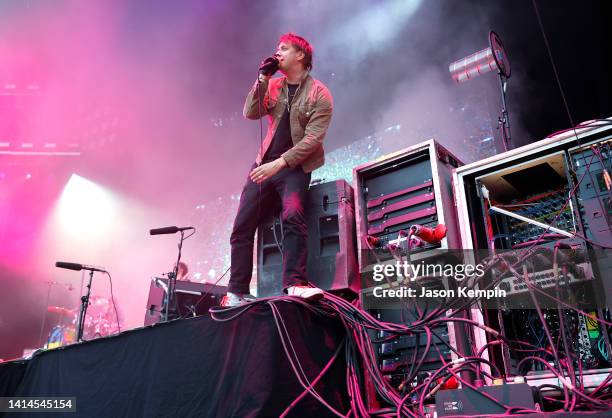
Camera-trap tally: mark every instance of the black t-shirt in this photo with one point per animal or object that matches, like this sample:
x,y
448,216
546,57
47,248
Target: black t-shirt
x,y
282,137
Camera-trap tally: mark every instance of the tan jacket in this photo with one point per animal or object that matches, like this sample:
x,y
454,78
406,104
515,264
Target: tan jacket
x,y
309,118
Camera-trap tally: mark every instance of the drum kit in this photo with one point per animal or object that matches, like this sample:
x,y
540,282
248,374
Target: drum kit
x,y
99,322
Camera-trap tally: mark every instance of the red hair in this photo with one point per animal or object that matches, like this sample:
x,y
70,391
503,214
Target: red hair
x,y
300,44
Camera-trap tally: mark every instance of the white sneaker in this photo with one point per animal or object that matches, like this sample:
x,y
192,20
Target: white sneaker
x,y
306,292
231,300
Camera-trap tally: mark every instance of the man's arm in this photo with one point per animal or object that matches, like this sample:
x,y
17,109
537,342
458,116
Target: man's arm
x,y
253,105
315,130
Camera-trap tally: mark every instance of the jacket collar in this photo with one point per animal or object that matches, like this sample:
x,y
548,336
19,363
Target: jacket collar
x,y
303,82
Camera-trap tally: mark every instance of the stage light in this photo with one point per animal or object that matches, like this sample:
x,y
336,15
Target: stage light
x,y
85,208
28,176
492,58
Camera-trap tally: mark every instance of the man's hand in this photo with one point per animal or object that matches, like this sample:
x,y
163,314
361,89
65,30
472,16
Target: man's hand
x,y
269,66
263,78
265,171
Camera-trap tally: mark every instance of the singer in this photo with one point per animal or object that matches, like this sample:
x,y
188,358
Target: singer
x,y
299,111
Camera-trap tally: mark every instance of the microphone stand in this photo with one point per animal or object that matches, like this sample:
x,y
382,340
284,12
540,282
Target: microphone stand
x,y
503,122
83,309
170,297
44,320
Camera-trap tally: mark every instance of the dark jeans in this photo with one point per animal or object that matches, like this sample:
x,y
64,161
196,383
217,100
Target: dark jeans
x,y
291,184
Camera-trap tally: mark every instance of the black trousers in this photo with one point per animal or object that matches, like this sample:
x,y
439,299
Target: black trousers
x,y
257,202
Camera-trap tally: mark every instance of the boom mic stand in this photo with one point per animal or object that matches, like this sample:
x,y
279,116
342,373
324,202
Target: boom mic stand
x,y
503,121
42,325
170,297
84,305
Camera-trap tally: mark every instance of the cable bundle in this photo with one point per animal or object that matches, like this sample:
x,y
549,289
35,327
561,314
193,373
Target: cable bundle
x,y
411,397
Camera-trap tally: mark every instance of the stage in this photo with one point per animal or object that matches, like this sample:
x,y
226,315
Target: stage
x,y
192,367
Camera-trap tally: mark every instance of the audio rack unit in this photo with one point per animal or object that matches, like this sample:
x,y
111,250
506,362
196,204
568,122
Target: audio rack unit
x,y
397,195
545,196
408,187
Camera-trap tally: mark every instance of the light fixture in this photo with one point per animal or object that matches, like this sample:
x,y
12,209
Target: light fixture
x,y
492,58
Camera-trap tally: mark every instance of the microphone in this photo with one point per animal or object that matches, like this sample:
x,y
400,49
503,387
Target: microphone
x,y
432,236
269,66
168,230
78,267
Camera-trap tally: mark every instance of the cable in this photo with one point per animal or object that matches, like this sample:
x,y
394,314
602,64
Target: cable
x,y
554,67
278,244
294,362
207,291
315,381
552,63
260,116
190,235
554,220
558,80
570,370
408,398
110,279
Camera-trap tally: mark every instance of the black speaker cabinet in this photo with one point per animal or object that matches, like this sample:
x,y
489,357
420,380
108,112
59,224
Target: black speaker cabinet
x,y
332,256
188,297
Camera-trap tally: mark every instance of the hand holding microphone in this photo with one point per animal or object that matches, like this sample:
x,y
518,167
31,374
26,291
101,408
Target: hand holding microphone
x,y
269,66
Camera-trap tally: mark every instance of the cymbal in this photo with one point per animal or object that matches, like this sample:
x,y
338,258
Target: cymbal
x,y
98,300
60,310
